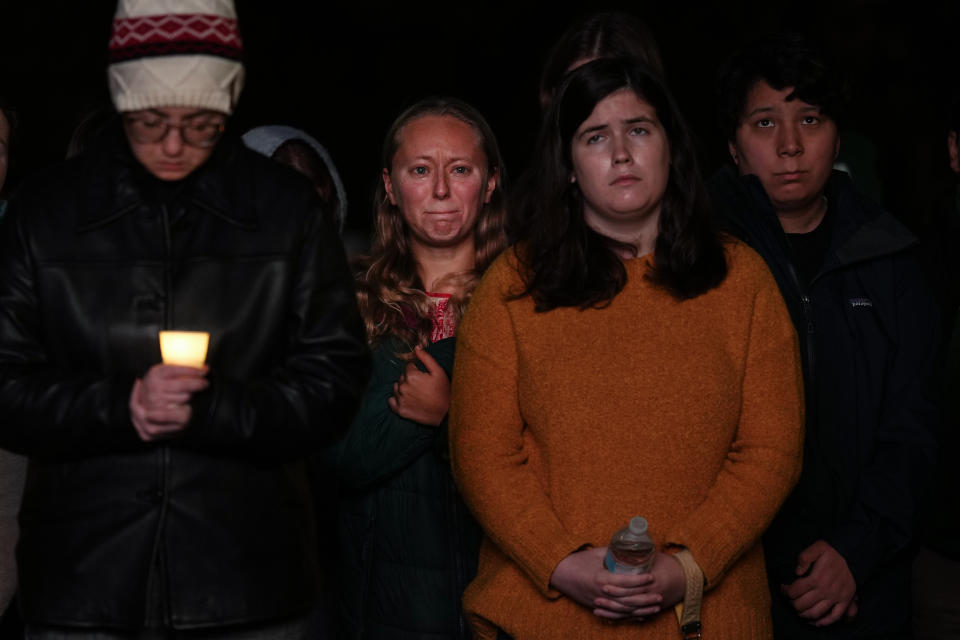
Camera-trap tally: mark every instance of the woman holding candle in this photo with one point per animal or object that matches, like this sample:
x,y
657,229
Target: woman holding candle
x,y
164,500
622,359
408,544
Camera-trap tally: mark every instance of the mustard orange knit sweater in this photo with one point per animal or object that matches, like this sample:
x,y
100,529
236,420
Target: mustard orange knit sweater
x,y
565,424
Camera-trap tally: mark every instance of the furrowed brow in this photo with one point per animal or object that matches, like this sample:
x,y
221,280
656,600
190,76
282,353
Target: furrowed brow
x,y
594,129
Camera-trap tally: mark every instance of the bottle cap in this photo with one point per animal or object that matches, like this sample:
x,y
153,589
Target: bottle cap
x,y
638,525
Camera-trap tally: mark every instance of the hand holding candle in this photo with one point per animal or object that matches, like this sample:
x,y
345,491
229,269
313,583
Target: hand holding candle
x,y
160,401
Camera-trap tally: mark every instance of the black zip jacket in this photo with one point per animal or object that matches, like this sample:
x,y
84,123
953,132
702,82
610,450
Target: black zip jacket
x,y
868,329
96,257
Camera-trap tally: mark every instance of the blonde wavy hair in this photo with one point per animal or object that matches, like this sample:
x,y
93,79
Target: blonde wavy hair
x,y
393,300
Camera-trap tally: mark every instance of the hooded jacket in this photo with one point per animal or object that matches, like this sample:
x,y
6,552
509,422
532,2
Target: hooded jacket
x,y
266,140
868,330
96,257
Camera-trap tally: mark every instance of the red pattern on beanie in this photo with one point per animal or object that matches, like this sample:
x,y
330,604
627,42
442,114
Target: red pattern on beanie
x,y
175,34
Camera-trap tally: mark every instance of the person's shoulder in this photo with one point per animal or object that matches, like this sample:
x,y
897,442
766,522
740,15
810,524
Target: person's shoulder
x,y
857,208
505,269
747,273
501,282
742,261
51,195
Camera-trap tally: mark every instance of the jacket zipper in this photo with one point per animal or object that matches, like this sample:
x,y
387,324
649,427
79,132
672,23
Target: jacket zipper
x,y
165,450
806,303
167,275
156,578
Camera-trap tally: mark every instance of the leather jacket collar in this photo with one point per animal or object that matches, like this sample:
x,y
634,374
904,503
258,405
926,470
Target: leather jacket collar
x,y
121,185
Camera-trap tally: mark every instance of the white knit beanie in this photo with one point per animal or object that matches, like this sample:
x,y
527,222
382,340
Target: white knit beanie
x,y
175,53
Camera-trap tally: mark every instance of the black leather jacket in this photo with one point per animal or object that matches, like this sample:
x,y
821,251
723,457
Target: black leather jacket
x,y
96,257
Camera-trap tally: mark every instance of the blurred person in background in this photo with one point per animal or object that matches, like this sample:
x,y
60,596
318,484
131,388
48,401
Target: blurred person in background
x,y
12,466
301,151
8,127
607,34
936,571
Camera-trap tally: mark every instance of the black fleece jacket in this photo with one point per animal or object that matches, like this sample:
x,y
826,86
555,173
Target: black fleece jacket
x,y
869,334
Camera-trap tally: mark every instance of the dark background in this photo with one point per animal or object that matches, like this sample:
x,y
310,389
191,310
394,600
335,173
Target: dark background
x,y
342,71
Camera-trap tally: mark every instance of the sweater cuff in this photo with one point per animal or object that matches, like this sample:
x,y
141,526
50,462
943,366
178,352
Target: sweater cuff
x,y
713,553
544,585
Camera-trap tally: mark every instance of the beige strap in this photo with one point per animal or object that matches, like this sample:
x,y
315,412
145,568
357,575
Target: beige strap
x,y
688,611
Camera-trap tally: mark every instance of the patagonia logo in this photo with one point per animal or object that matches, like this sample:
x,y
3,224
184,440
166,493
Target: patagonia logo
x,y
861,302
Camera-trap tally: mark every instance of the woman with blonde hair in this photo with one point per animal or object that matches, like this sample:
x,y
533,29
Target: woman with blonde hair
x,y
408,544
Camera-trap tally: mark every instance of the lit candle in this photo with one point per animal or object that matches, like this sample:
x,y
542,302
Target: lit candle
x,y
184,348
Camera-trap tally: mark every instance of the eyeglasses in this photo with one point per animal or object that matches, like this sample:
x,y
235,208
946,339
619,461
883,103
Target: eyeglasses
x,y
202,131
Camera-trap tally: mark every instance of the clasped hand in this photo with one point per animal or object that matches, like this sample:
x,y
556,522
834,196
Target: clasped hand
x,y
422,397
160,401
828,592
582,577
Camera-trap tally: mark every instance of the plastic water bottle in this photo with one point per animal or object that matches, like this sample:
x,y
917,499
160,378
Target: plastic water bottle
x,y
631,550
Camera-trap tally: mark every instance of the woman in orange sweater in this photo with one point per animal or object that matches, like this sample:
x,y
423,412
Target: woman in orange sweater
x,y
622,360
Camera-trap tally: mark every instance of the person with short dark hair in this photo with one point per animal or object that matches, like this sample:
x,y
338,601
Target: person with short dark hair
x,y
169,499
621,360
839,552
936,571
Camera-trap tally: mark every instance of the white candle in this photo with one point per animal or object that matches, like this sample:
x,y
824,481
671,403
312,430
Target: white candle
x,y
184,348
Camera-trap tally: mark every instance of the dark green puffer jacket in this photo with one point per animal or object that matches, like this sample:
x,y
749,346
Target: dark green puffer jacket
x,y
408,546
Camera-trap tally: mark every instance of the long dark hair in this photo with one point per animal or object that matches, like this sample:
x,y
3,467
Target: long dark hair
x,y
608,34
392,299
564,262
